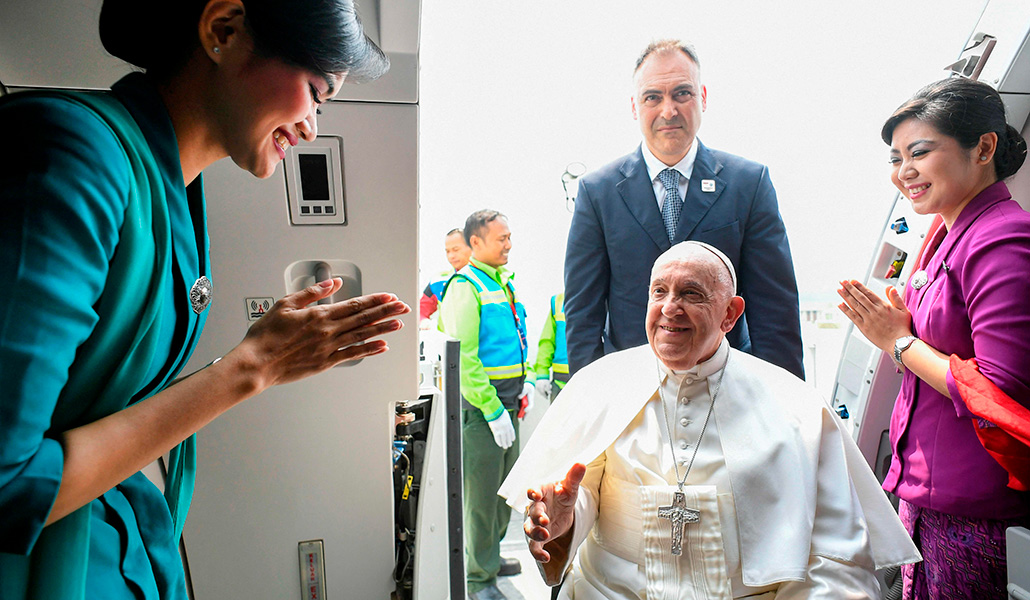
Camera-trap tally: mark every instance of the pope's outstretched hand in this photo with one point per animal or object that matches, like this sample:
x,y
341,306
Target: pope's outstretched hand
x,y
551,512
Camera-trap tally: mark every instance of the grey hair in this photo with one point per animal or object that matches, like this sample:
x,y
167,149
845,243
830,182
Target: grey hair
x,y
664,45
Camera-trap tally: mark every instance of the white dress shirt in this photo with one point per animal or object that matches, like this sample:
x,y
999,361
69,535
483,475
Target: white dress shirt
x,y
654,166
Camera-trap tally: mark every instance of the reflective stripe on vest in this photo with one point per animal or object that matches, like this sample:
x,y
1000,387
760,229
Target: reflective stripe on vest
x,y
560,362
502,337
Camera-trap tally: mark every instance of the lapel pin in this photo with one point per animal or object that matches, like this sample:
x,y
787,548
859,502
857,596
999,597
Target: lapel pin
x,y
707,185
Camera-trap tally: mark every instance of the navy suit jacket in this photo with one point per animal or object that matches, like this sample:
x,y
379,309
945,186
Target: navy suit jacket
x,y
617,233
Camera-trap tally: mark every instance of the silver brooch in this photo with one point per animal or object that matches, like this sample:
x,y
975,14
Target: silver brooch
x,y
200,294
919,279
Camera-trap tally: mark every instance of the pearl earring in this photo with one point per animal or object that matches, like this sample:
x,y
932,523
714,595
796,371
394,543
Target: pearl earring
x,y
983,158
216,50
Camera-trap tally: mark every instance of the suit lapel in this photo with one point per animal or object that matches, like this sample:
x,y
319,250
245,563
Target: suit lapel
x,y
638,195
697,203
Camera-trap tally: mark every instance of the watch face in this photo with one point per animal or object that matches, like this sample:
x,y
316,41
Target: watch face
x,y
900,345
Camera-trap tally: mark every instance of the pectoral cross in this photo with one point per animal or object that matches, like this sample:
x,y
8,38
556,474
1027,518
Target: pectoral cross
x,y
680,515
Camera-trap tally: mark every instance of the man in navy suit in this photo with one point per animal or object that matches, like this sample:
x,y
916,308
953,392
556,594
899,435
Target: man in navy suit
x,y
671,189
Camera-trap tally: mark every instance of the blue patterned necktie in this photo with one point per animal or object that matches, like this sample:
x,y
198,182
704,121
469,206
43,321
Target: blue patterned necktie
x,y
673,204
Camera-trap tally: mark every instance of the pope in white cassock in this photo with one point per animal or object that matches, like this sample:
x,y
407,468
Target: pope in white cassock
x,y
709,472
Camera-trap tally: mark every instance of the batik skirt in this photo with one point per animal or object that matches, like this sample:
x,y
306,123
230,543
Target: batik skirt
x,y
963,558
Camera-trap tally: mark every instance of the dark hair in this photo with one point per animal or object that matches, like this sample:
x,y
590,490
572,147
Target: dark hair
x,y
663,45
322,35
964,109
477,222
455,230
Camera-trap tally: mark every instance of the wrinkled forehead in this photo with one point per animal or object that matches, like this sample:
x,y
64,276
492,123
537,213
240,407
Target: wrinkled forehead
x,y
689,268
699,254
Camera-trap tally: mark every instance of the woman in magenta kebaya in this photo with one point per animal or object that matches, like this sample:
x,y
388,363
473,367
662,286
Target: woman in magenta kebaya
x,y
950,151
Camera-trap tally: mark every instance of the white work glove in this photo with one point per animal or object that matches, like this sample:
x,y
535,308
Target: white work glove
x,y
543,387
503,430
528,390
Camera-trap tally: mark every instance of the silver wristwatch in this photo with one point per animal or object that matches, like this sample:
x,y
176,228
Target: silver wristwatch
x,y
900,345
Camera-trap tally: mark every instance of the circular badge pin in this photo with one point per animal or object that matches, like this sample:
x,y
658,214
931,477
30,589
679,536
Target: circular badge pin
x,y
919,279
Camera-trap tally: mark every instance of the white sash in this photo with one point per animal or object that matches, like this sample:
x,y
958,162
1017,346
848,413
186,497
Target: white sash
x,y
629,527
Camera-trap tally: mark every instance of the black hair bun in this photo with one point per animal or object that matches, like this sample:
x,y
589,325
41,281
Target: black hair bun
x,y
122,31
1010,158
149,34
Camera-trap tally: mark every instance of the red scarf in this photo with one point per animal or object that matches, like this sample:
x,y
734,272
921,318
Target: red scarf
x,y
1003,425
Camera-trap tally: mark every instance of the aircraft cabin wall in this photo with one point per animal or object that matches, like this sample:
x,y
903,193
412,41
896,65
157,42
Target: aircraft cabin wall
x,y
309,460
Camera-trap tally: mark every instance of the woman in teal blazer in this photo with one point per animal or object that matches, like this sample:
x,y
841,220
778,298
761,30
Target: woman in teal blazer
x,y
104,280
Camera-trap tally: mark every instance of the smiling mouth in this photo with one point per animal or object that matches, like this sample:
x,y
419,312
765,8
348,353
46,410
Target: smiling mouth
x,y
916,191
281,140
673,329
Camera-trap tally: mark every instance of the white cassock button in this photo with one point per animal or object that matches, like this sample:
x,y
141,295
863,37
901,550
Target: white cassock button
x,y
683,445
684,400
684,421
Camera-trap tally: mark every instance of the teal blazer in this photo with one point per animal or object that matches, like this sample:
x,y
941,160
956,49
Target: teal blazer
x,y
98,249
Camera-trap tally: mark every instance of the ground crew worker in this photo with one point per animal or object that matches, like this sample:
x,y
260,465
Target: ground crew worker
x,y
552,360
458,253
481,310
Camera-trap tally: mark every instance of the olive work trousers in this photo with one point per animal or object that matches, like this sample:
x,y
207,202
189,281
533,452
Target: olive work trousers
x,y
485,465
